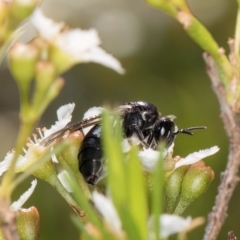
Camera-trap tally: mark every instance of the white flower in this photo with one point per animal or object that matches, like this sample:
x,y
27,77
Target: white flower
x,y
46,27
149,158
15,206
81,45
108,211
196,156
35,150
64,115
91,112
171,224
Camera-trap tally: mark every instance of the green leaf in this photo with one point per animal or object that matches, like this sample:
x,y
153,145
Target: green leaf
x,y
129,225
114,160
156,194
137,202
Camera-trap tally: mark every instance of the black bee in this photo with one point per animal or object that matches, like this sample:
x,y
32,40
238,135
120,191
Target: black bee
x,y
141,124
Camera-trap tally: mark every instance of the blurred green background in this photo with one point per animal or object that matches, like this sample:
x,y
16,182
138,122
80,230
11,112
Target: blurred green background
x,y
163,66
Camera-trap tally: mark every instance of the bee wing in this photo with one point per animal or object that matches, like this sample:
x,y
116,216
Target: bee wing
x,y
70,128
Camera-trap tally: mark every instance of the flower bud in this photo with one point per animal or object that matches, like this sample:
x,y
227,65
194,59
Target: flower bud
x,y
173,186
55,88
70,153
28,223
21,9
195,182
43,47
42,101
68,159
45,75
22,60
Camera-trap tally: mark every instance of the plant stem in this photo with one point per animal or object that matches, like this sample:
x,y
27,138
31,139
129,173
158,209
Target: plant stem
x,y
8,220
25,130
229,178
65,194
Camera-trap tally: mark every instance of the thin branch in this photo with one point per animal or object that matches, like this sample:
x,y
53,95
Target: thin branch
x,y
8,221
229,178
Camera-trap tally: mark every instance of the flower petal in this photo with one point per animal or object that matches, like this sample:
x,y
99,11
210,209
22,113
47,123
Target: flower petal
x,y
91,112
64,114
46,27
149,158
196,156
171,224
24,197
77,42
4,165
81,45
98,55
108,211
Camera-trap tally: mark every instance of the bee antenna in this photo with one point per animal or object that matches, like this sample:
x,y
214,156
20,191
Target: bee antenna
x,y
189,130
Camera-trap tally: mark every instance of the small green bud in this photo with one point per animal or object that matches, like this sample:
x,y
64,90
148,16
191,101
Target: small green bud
x,y
70,153
42,101
195,182
55,88
173,187
43,47
68,159
45,75
22,59
21,9
28,223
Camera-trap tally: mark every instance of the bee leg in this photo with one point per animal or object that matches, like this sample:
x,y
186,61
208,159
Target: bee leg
x,y
140,135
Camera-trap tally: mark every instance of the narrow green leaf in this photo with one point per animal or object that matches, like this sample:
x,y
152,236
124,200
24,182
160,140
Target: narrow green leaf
x,y
137,203
129,225
156,195
112,140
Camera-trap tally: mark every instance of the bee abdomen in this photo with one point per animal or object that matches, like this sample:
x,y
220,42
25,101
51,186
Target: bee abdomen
x,y
90,156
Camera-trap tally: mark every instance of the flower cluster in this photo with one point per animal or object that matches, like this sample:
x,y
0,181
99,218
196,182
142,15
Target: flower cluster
x,y
187,172
56,49
71,45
